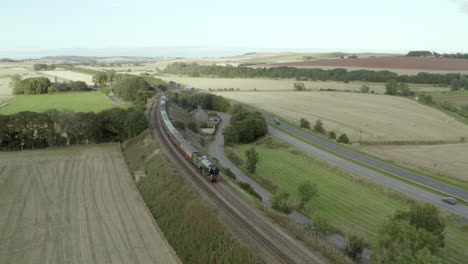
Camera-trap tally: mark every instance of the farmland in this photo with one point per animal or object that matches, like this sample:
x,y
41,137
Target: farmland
x,y
360,208
382,118
78,102
449,159
5,88
441,64
75,205
70,75
283,85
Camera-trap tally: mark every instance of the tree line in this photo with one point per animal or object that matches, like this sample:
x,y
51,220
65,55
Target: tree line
x,y
30,130
42,85
191,101
426,53
302,74
43,67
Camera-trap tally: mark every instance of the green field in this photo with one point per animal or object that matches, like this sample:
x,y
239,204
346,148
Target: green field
x,y
78,102
293,57
349,202
450,94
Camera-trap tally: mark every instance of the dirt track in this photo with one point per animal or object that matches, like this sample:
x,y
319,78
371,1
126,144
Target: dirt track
x,y
74,205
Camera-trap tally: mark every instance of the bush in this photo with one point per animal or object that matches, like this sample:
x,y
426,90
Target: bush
x,y
192,126
283,202
332,135
248,188
355,247
319,127
364,89
304,123
343,138
320,226
230,174
179,125
299,86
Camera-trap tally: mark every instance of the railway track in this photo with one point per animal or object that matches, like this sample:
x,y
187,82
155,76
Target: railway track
x,y
274,239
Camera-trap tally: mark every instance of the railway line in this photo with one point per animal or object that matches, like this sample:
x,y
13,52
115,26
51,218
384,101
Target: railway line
x,y
280,244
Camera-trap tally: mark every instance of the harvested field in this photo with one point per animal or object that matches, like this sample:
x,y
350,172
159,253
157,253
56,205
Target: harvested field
x,y
71,76
382,118
8,71
75,205
450,159
5,88
284,85
443,64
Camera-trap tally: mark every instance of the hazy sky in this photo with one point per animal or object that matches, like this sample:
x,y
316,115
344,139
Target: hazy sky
x,y
333,24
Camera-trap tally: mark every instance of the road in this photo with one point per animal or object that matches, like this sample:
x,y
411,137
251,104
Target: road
x,y
386,167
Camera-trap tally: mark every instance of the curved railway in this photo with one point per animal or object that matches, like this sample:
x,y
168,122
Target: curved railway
x,y
275,240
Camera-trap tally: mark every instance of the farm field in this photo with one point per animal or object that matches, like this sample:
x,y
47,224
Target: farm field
x,y
449,159
78,102
70,75
283,85
456,100
442,64
382,118
12,70
5,89
360,208
75,205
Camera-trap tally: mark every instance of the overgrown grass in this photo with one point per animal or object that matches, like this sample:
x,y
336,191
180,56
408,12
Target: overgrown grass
x,y
350,203
191,228
77,102
450,94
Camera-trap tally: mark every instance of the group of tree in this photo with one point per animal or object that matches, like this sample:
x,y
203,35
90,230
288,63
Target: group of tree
x,y
30,130
318,128
426,53
303,74
392,87
414,236
284,202
245,126
43,67
189,100
458,84
42,85
133,88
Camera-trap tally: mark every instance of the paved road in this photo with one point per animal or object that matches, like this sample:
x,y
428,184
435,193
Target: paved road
x,y
371,174
116,100
386,167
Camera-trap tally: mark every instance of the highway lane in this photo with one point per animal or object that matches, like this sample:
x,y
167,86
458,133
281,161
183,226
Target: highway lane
x,y
386,167
371,174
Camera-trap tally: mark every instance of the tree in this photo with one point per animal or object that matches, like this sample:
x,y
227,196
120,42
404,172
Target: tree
x,y
135,122
299,86
304,123
332,135
391,87
252,159
79,86
403,89
306,191
355,247
231,135
343,138
318,127
100,79
365,89
455,85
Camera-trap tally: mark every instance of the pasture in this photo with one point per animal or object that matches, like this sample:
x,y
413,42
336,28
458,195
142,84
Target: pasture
x,y
283,85
75,205
381,118
448,159
348,202
77,102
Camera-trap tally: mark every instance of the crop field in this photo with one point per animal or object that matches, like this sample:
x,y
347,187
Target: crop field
x,y
442,64
456,100
448,159
284,85
360,208
5,88
12,70
381,118
75,205
71,76
78,102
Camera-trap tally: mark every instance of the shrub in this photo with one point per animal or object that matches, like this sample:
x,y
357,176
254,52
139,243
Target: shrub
x,y
320,226
343,138
230,174
192,126
364,89
304,123
319,127
355,247
248,188
283,202
179,125
332,135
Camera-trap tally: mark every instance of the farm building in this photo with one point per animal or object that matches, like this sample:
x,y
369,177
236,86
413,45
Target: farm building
x,y
200,115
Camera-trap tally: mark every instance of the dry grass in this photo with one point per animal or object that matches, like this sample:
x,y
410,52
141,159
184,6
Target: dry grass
x,y
6,70
5,88
75,205
69,75
381,118
284,85
447,159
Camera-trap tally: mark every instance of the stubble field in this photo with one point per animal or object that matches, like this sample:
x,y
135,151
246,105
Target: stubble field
x,y
70,75
284,85
75,205
381,118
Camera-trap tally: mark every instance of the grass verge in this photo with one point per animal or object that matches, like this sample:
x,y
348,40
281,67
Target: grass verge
x,y
192,229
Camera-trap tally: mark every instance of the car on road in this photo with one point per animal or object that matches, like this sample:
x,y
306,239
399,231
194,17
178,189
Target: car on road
x,y
277,121
450,200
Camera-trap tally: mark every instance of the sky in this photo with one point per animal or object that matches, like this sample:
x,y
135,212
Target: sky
x,y
150,27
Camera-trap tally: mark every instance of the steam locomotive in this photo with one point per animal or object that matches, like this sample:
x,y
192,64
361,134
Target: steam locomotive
x,y
200,161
